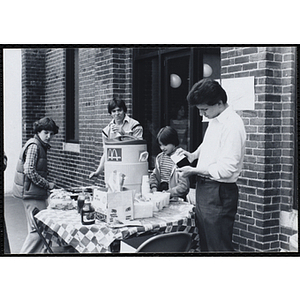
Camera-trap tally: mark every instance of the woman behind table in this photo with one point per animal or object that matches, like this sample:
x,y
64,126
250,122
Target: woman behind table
x,y
120,125
30,183
180,124
165,176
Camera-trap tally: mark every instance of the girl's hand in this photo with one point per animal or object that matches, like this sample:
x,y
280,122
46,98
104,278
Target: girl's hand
x,y
153,190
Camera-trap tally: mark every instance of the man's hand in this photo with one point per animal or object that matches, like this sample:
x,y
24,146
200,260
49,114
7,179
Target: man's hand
x,y
186,171
187,154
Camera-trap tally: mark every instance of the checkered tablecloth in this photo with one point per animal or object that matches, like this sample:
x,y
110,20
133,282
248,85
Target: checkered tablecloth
x,y
66,225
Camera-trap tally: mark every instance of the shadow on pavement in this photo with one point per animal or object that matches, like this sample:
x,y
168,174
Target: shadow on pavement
x,y
16,224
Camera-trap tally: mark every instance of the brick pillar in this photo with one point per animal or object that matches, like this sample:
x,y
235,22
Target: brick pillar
x,y
113,78
266,184
33,89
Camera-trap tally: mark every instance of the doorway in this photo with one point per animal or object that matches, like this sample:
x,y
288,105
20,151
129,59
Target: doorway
x,y
162,78
176,88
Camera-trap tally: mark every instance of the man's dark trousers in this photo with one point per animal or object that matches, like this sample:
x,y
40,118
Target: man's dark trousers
x,y
216,207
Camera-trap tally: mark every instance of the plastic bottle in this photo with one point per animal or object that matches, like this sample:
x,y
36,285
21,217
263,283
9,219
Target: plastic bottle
x,y
145,185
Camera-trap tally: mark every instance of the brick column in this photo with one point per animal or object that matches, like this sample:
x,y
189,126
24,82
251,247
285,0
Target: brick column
x,y
266,185
33,89
113,78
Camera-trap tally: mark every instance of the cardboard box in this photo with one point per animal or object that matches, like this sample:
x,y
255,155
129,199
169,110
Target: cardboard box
x,y
111,207
159,200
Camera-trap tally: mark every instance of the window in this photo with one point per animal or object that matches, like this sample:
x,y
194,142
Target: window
x,y
72,97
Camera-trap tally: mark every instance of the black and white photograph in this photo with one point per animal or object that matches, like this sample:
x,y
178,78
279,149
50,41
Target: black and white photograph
x,y
95,137
149,153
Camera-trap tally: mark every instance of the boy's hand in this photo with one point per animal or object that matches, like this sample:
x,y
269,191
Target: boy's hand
x,y
51,186
93,174
117,129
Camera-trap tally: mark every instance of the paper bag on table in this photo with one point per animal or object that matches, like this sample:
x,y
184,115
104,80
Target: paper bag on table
x,y
142,207
159,200
116,181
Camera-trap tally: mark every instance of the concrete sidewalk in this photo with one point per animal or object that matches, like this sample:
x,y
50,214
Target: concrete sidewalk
x,y
16,224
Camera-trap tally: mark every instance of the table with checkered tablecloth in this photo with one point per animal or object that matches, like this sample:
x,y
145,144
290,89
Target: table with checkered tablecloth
x,y
65,226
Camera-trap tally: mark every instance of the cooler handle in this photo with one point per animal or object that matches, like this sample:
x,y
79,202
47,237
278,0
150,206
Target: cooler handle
x,y
122,137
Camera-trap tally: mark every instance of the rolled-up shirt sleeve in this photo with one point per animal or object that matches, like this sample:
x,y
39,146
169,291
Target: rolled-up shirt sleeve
x,y
30,167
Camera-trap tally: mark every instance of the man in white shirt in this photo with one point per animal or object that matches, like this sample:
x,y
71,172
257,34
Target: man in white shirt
x,y
220,159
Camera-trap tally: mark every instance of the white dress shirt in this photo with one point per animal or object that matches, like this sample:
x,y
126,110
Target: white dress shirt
x,y
222,151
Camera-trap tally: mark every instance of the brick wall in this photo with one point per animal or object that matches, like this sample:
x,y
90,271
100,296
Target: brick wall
x,y
33,89
55,107
266,185
112,79
104,73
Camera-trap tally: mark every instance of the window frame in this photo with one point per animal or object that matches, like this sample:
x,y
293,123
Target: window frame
x,y
72,96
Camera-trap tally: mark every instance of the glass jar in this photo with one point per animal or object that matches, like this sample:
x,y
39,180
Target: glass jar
x,y
80,201
88,214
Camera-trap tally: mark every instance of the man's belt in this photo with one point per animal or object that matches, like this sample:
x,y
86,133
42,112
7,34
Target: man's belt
x,y
205,179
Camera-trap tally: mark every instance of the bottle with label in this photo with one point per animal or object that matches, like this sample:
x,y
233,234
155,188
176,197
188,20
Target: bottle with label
x,y
80,201
87,212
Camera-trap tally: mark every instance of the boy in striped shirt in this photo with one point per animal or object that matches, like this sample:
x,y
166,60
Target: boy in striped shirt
x,y
165,176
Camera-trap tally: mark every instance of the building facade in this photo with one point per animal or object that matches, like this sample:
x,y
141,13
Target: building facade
x,y
73,87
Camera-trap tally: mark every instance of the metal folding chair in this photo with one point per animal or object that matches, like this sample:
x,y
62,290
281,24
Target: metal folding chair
x,y
174,242
50,249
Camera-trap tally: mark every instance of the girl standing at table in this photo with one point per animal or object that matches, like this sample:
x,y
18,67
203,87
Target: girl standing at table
x,y
30,183
165,176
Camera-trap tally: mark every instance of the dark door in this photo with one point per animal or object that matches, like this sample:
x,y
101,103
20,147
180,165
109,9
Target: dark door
x,y
176,88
